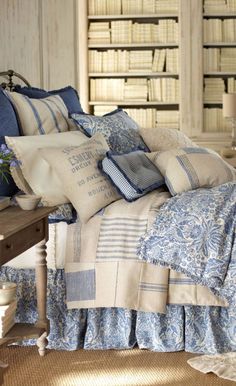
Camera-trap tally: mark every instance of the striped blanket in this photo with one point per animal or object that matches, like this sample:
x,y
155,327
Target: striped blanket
x,y
103,268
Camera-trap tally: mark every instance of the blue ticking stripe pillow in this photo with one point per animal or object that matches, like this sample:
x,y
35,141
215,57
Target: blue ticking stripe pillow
x,y
41,116
68,94
133,174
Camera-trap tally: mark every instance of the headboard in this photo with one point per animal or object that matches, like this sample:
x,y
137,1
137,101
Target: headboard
x,y
9,84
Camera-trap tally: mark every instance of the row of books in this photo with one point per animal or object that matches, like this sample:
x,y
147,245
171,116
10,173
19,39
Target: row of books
x,y
217,30
147,118
132,7
135,89
157,60
219,6
127,31
213,90
220,59
213,120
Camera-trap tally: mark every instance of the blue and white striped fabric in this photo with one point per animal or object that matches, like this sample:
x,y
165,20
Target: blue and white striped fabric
x,y
118,238
133,174
41,116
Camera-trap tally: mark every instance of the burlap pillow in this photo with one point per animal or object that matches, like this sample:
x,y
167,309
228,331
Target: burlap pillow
x,y
34,172
83,183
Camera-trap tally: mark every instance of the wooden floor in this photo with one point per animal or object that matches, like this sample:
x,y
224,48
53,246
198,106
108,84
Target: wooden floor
x,y
101,368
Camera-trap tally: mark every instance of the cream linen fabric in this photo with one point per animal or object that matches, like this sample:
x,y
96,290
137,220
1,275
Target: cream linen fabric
x,y
34,174
41,116
165,139
103,268
83,183
191,168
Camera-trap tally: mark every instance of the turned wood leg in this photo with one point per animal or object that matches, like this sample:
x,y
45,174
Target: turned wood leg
x,y
41,287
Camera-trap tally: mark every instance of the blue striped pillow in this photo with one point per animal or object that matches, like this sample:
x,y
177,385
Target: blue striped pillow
x,y
41,116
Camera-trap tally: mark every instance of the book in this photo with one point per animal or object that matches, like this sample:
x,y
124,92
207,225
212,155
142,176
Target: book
x,y
4,202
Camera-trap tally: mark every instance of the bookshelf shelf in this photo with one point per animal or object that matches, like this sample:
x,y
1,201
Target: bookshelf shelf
x,y
132,45
132,103
133,16
132,74
220,44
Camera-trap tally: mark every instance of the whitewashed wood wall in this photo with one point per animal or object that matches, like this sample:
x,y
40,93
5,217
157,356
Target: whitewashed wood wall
x,y
40,40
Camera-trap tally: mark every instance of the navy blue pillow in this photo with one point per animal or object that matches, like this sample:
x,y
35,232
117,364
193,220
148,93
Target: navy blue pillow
x,y
9,127
68,94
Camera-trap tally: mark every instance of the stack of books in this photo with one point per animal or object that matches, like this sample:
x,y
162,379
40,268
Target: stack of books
x,y
211,59
166,6
107,89
163,90
140,61
135,89
217,30
132,7
228,60
121,31
219,6
167,118
7,317
231,85
144,117
214,121
99,33
172,60
213,90
104,109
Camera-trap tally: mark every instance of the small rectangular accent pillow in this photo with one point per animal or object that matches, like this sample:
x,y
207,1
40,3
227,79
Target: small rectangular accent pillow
x,y
83,183
133,174
191,168
68,94
41,116
34,170
160,139
119,130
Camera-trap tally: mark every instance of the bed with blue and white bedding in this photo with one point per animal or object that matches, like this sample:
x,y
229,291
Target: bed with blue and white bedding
x,y
153,267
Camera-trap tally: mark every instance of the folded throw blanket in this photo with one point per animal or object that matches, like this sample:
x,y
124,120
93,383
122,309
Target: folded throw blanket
x,y
194,233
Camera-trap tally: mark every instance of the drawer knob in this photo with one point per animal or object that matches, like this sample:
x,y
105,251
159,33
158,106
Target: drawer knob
x,y
8,246
38,229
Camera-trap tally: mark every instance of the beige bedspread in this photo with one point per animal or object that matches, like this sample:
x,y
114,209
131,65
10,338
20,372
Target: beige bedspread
x,y
103,269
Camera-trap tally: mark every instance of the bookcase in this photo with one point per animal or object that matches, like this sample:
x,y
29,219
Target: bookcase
x,y
164,62
219,58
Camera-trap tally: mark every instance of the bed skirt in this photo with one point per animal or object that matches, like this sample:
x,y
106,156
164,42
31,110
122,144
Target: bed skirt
x,y
195,329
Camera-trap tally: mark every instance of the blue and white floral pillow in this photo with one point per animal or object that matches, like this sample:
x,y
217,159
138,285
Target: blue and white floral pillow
x,y
119,130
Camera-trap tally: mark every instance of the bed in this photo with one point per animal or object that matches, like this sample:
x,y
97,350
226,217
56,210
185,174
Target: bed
x,y
106,287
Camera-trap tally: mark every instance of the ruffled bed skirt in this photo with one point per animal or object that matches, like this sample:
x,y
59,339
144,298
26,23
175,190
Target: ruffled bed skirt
x,y
195,329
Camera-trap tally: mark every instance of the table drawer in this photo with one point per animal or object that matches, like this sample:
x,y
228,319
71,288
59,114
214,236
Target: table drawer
x,y
13,245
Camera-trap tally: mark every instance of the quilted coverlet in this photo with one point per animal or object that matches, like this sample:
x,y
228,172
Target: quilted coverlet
x,y
103,268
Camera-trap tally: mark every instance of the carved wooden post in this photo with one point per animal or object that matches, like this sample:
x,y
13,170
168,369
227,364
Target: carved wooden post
x,y
41,287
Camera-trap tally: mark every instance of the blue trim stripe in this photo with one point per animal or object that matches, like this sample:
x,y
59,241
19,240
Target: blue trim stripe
x,y
36,115
54,100
183,281
52,114
189,170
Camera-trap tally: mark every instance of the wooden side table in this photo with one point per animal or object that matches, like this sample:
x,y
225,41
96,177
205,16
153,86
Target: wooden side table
x,y
19,231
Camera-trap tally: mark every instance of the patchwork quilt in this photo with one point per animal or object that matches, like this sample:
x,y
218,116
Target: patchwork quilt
x,y
103,268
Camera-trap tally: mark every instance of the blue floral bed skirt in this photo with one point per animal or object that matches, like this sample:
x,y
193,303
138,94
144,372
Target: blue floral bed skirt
x,y
191,328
